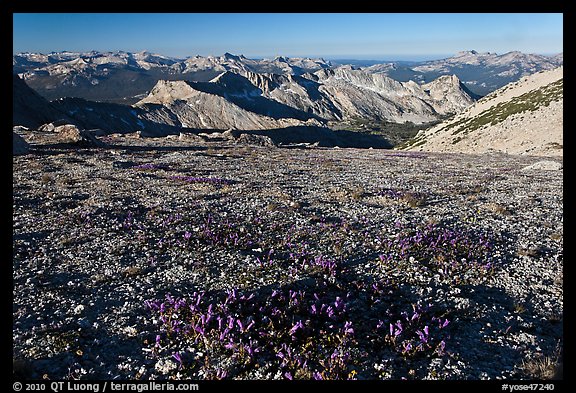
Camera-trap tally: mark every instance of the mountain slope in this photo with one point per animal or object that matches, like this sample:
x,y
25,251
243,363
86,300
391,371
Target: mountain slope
x,y
152,120
359,94
264,101
210,106
524,117
482,73
29,108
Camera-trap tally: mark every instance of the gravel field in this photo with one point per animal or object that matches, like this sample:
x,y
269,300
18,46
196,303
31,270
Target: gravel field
x,y
157,259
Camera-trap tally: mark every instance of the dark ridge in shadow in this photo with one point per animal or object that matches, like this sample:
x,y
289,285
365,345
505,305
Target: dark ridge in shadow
x,y
116,118
325,137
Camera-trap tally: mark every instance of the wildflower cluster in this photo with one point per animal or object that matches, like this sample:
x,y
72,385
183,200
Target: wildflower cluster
x,y
281,330
417,332
456,254
207,180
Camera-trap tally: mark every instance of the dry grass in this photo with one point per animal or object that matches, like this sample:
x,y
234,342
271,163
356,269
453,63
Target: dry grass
x,y
544,367
46,178
337,195
413,199
132,271
496,208
557,236
529,251
378,201
272,206
356,193
519,308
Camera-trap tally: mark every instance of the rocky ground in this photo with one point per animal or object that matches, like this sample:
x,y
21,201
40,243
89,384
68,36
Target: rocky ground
x,y
161,259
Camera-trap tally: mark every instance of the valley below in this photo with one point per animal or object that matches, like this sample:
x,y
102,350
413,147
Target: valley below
x,y
158,258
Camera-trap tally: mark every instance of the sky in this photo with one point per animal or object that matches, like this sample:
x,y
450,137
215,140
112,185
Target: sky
x,y
377,36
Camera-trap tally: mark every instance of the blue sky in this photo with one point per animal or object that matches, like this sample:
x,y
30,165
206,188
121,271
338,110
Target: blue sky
x,y
330,35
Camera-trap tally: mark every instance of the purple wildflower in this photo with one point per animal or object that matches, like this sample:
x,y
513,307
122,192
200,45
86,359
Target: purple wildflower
x,y
295,328
441,347
398,328
423,337
407,347
224,334
178,358
330,312
348,328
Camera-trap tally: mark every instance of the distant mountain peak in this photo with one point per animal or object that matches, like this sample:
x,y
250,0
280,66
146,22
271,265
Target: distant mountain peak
x,y
466,52
230,56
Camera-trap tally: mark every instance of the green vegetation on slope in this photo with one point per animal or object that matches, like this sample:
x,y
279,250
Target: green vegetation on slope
x,y
396,133
527,102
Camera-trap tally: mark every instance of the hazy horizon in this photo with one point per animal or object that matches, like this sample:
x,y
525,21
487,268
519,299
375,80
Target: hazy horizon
x,y
338,58
331,36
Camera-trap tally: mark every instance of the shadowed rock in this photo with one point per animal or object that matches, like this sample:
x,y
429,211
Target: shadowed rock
x,y
19,145
259,140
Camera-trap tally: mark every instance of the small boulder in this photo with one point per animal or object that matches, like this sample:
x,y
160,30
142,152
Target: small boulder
x,y
48,127
188,136
69,133
231,134
258,140
213,136
547,165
